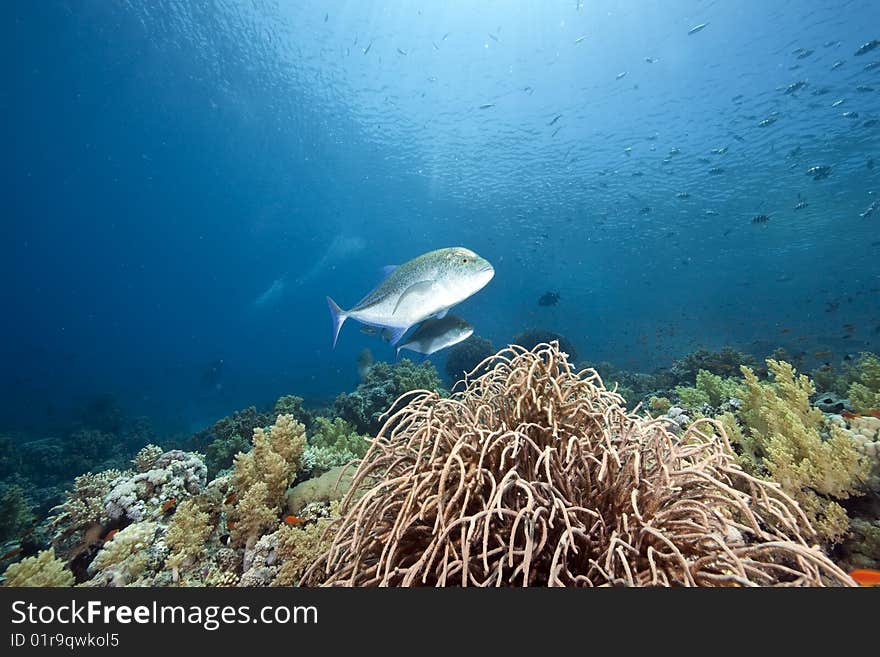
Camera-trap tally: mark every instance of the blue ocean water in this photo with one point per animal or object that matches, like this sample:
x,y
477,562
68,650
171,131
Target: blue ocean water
x,y
186,182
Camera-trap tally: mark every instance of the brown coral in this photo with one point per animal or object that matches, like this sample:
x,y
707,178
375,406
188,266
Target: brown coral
x,y
536,475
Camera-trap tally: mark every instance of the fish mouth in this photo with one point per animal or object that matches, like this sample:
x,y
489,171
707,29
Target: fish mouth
x,y
487,268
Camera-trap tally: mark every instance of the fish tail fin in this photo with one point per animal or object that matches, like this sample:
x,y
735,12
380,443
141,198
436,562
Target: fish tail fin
x,y
338,315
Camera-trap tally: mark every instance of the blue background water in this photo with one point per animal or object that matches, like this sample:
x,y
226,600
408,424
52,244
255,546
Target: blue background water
x,y
185,182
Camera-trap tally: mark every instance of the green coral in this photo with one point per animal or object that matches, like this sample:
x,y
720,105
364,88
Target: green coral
x,y
864,391
691,398
381,387
659,405
710,389
293,405
16,512
41,570
723,363
229,436
333,443
220,453
781,438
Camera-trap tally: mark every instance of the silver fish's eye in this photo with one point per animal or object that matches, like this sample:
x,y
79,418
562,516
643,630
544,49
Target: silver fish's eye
x,y
464,261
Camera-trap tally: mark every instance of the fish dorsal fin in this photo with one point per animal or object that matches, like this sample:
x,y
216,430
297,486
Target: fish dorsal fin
x,y
386,271
414,290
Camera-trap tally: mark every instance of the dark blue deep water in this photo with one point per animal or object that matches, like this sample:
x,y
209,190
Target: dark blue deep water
x,y
185,182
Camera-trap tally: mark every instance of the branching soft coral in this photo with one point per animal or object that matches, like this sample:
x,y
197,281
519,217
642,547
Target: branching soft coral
x,y
332,444
299,547
781,440
710,389
262,476
536,475
41,570
864,392
188,530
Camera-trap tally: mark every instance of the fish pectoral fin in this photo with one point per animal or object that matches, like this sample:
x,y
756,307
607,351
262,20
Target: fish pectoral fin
x,y
395,333
413,291
442,313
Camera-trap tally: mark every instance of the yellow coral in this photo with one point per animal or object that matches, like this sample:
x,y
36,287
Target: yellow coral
x,y
187,532
41,570
659,405
782,440
262,476
864,392
255,514
299,547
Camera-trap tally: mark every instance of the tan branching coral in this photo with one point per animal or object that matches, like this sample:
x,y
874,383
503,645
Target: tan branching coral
x,y
261,477
188,531
536,475
299,547
41,570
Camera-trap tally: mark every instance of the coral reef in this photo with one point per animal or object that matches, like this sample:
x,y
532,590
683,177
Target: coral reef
x,y
710,390
41,570
781,438
724,363
865,433
635,387
864,391
536,475
659,405
678,419
298,548
466,356
127,556
146,458
381,387
333,443
228,436
174,476
857,379
187,533
532,337
232,434
330,486
261,478
16,512
862,546
81,519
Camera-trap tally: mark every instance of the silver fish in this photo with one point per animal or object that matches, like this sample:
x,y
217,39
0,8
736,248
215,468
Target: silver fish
x,y
697,28
436,334
424,287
